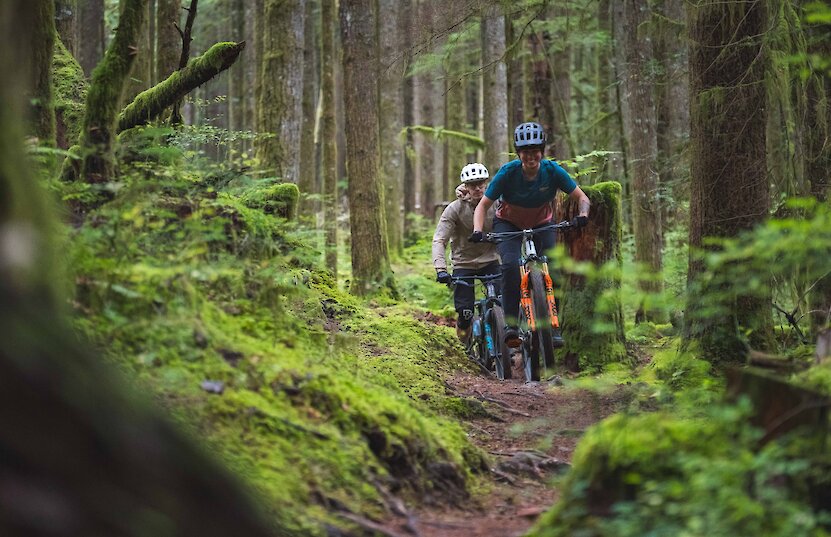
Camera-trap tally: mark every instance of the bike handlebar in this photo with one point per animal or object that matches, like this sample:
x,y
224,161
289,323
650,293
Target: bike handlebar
x,y
507,235
463,280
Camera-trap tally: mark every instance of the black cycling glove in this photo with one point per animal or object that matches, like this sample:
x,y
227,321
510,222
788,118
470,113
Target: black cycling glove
x,y
580,221
476,236
442,276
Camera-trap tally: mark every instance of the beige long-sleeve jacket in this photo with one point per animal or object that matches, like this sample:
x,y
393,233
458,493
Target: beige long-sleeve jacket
x,y
456,225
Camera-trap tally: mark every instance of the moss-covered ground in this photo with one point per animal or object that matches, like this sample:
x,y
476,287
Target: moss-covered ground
x,y
323,403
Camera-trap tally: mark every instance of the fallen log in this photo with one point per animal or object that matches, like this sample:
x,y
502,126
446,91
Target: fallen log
x,y
151,103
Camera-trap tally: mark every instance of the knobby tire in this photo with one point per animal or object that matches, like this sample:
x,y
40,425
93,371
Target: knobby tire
x,y
503,358
542,337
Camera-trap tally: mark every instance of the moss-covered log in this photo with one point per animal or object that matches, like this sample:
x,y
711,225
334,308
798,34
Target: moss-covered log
x,y
280,200
104,95
591,306
70,86
153,102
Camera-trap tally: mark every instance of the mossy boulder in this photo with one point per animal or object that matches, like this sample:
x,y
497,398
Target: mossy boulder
x,y
279,199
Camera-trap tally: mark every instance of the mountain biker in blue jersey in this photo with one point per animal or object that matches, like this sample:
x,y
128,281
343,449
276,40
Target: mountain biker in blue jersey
x,y
525,189
455,225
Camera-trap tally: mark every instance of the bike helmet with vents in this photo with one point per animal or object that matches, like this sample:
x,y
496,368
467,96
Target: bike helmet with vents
x,y
474,172
529,136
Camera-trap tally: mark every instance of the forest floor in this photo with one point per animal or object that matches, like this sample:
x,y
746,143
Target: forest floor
x,y
530,430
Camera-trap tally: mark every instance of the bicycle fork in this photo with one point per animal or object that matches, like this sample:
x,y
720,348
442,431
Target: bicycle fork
x,y
525,298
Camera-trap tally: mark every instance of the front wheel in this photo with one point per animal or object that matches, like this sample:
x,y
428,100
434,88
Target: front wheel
x,y
502,355
542,337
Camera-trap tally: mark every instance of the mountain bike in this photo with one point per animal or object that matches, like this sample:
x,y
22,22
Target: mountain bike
x,y
486,341
538,316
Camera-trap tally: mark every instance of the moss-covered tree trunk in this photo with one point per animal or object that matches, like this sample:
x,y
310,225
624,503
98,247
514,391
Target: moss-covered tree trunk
x,y
280,105
151,103
591,308
729,184
70,88
643,146
104,95
141,72
329,157
66,23
370,258
82,455
42,43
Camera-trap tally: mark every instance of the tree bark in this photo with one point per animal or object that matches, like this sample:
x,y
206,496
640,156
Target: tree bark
x,y
104,95
390,77
328,136
66,23
168,40
729,183
280,113
405,32
150,104
643,144
42,43
308,168
494,88
370,259
141,73
561,143
425,96
92,41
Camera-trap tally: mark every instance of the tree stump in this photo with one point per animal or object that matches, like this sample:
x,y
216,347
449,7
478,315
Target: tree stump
x,y
592,312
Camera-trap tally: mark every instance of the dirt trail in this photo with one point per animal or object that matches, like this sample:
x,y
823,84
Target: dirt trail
x,y
530,432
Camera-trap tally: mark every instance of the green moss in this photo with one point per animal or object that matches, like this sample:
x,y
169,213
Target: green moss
x,y
655,474
280,199
591,304
70,93
325,399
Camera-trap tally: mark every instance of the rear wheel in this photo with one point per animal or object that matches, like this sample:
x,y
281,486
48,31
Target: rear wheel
x,y
543,334
502,352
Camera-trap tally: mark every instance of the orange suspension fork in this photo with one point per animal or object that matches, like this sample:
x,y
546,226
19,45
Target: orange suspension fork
x,y
552,304
525,300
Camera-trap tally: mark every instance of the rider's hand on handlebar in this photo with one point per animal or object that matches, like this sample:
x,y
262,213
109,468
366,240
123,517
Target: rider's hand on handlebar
x,y
476,236
443,277
580,221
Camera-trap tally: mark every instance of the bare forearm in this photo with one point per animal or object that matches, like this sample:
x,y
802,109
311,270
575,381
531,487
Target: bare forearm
x,y
583,203
480,213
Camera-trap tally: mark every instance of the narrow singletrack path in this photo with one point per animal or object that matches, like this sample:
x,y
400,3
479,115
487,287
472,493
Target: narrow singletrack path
x,y
530,430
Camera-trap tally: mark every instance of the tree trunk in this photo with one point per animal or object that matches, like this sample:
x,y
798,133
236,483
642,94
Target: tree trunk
x,y
70,89
57,398
390,76
280,113
542,83
591,309
673,104
92,41
328,135
307,169
494,88
405,32
516,79
42,44
370,259
425,95
621,161
253,12
66,23
643,144
149,104
168,40
729,183
562,144
141,74
104,95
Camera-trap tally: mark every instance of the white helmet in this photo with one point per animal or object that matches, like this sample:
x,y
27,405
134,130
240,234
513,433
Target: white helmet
x,y
529,135
474,172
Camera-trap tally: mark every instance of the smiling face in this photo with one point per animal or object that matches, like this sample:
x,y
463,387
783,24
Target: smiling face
x,y
530,158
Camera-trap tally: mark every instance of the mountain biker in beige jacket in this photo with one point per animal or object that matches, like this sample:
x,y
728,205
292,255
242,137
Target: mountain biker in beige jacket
x,y
468,259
